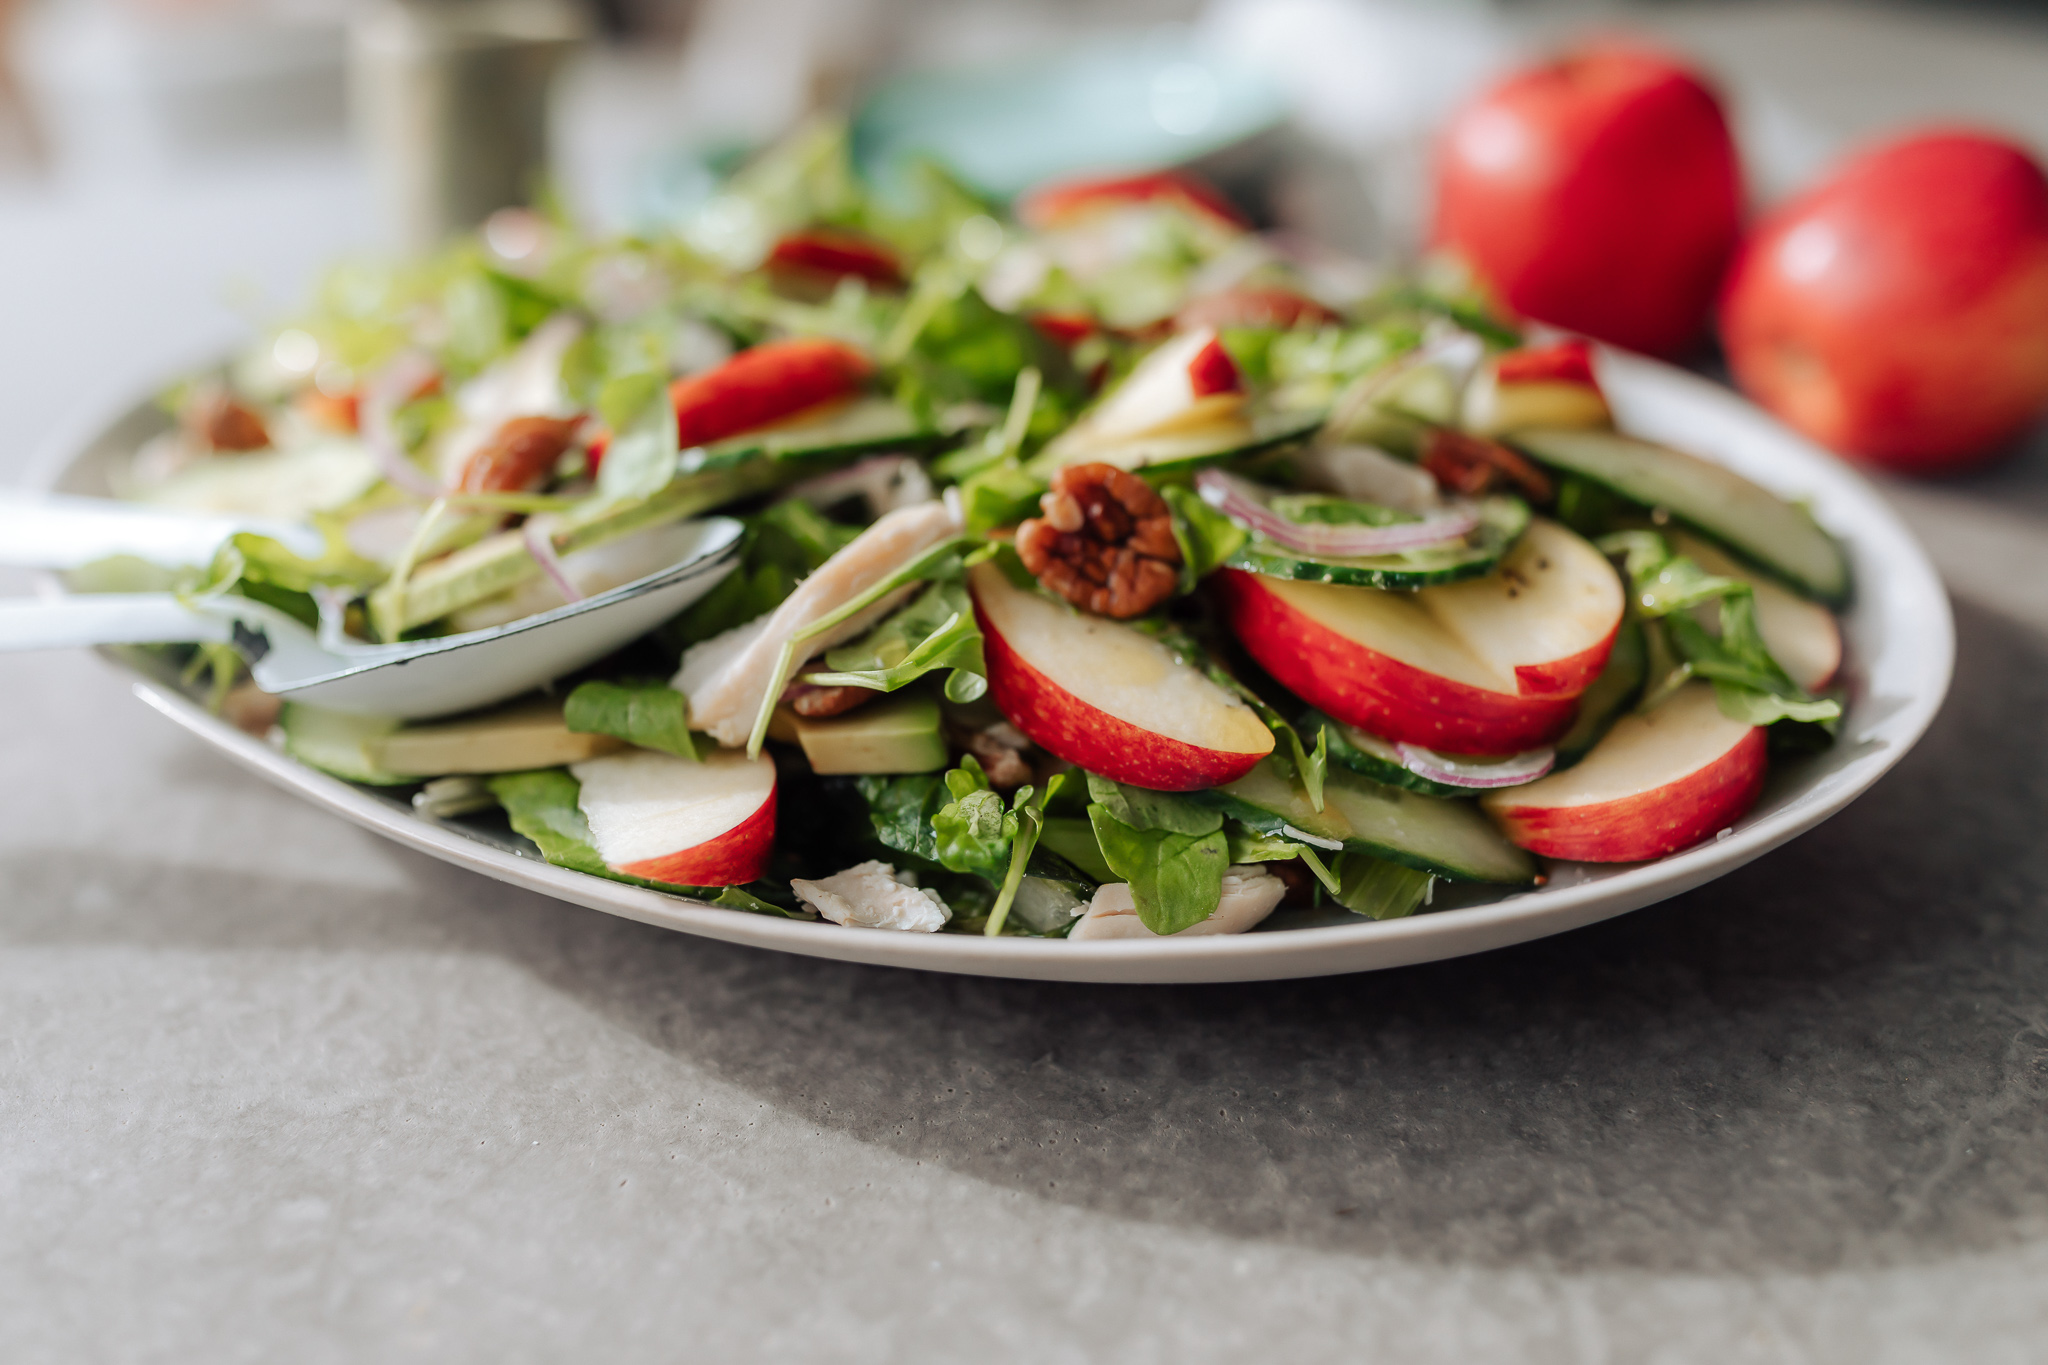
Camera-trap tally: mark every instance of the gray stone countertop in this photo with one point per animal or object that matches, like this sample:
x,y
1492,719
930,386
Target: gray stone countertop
x,y
274,1089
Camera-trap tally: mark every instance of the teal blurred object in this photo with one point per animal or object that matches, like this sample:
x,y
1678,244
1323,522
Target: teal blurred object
x,y
1125,105
1129,104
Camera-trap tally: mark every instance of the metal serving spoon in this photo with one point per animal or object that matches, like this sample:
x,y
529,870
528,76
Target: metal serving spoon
x,y
409,680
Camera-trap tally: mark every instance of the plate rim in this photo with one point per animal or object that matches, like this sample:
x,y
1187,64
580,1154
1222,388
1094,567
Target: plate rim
x,y
1912,586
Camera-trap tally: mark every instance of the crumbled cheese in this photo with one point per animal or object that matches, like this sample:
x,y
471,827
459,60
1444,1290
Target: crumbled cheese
x,y
874,895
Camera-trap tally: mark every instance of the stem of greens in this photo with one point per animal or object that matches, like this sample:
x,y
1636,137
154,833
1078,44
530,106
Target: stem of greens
x,y
785,659
1030,818
401,572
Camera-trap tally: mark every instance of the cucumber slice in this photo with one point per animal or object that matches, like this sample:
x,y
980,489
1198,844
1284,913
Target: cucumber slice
x,y
1268,800
1611,694
1262,430
1370,756
1501,523
338,743
863,426
1753,522
1450,838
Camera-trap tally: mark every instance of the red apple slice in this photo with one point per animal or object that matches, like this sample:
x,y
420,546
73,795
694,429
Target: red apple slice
x,y
1488,666
765,384
1658,782
1108,697
708,823
834,253
1541,386
1802,635
1066,202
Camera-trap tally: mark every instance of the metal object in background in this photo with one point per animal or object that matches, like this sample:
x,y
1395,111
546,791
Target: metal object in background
x,y
450,102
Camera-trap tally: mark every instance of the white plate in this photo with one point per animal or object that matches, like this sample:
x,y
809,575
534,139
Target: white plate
x,y
1901,648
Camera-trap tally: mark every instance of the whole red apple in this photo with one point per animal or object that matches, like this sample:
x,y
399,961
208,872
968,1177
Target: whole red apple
x,y
1598,192
1899,311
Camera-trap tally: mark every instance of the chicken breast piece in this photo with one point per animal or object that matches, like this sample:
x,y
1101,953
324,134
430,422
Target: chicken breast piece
x,y
874,895
727,677
1249,895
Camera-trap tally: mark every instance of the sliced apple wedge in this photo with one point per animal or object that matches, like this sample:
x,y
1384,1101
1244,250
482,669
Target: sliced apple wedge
x,y
666,819
1488,666
1188,387
1108,697
1659,782
1802,635
1546,386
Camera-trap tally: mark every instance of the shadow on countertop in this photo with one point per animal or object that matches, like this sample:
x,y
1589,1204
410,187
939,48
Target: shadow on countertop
x,y
1833,1057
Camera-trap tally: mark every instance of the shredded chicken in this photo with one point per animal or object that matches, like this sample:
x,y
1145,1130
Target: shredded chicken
x,y
727,676
1250,893
874,895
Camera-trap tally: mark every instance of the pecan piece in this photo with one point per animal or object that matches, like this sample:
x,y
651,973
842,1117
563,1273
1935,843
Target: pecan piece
x,y
1473,465
1105,542
808,699
519,456
221,423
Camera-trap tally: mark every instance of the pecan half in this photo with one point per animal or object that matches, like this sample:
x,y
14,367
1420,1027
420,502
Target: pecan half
x,y
1472,465
808,699
519,456
1105,542
220,423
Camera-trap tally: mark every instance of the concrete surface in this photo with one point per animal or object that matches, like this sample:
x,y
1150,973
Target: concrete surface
x,y
271,1089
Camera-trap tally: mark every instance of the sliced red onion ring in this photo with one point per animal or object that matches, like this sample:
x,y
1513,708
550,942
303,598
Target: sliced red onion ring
x,y
1245,502
1507,772
381,398
540,544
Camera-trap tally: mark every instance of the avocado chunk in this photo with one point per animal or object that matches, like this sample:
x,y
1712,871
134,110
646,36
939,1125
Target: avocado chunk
x,y
514,739
899,735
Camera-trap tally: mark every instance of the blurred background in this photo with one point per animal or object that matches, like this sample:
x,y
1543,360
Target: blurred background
x,y
173,170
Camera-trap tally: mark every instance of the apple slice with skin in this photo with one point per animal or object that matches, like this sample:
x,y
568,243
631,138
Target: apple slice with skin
x,y
1065,202
667,819
1541,386
1108,697
1803,636
1492,665
1659,782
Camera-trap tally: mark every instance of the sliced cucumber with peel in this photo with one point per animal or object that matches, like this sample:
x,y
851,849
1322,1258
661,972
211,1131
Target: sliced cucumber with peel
x,y
1754,523
1449,838
1501,523
861,427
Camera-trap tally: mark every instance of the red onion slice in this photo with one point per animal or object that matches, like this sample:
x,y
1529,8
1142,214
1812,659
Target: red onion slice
x,y
540,544
381,399
1245,502
1507,772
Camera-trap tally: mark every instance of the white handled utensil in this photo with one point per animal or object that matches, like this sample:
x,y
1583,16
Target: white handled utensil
x,y
51,531
412,679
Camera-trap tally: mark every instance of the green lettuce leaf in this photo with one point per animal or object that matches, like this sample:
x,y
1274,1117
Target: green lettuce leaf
x,y
934,630
1206,537
643,454
1378,889
1144,809
970,831
1176,880
901,809
1247,845
647,713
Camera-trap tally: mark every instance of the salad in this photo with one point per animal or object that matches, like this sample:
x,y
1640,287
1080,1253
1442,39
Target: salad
x,y
1109,569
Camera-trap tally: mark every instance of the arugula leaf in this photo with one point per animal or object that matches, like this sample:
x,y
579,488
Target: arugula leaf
x,y
1247,845
542,806
1026,822
1749,684
648,713
1142,808
901,809
935,630
1206,537
1176,880
970,832
1378,889
1001,495
643,454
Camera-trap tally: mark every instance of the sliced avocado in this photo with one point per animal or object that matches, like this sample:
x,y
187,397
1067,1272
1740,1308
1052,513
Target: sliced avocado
x,y
514,739
899,735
